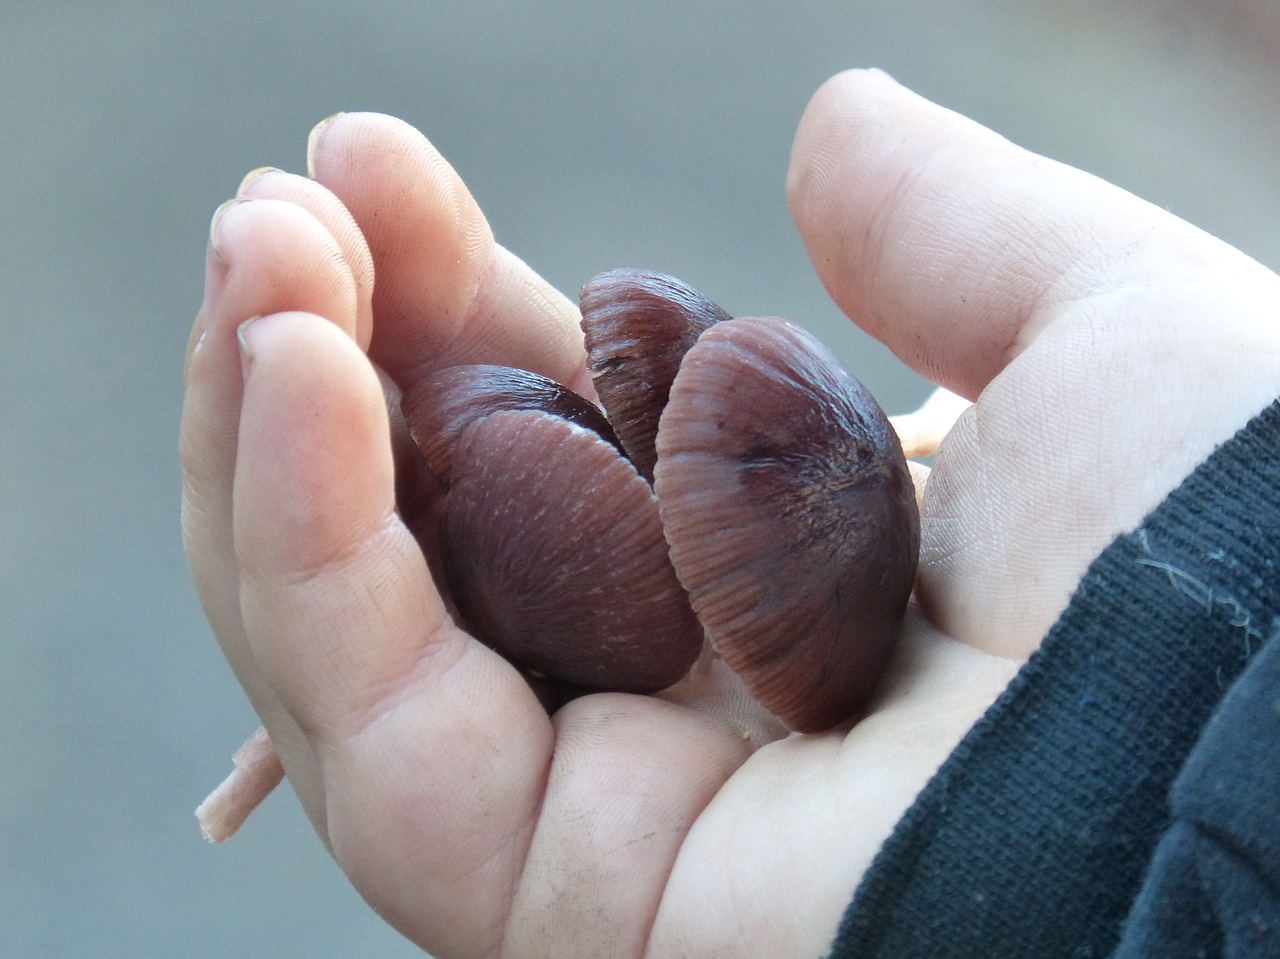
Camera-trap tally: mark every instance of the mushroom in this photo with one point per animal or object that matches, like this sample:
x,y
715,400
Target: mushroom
x,y
778,484
781,524
638,326
791,515
552,544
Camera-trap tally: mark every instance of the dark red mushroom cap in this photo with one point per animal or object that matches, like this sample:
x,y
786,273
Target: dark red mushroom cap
x,y
440,406
638,326
555,554
791,517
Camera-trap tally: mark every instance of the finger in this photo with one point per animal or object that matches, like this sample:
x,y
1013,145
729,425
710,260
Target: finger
x,y
955,247
446,292
315,524
431,750
264,256
270,184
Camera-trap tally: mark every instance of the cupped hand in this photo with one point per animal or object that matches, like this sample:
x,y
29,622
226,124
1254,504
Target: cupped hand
x,y
1108,345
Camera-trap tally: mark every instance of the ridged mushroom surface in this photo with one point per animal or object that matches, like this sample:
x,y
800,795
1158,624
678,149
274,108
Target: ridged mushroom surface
x,y
554,553
638,326
791,516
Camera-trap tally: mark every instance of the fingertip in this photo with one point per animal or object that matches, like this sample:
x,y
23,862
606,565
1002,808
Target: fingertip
x,y
842,99
246,184
858,125
446,292
269,183
301,344
431,243
246,349
275,255
863,84
215,243
928,230
832,171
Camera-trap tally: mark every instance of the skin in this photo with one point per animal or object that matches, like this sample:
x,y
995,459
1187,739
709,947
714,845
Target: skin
x,y
1109,346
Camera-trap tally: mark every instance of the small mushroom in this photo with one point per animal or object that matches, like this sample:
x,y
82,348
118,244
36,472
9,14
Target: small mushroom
x,y
552,545
444,404
783,490
638,326
791,516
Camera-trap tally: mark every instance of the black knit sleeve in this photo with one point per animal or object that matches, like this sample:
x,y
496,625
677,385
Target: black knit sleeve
x,y
1213,888
1035,836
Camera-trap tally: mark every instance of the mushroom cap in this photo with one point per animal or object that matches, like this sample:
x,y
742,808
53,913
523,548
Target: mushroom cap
x,y
441,406
554,554
638,325
791,516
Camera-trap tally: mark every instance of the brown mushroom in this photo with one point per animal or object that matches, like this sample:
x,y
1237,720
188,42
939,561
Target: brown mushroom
x,y
780,487
441,406
783,489
552,545
791,517
638,325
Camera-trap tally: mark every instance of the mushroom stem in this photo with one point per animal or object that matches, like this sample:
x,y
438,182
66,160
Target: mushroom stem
x,y
922,432
257,772
919,477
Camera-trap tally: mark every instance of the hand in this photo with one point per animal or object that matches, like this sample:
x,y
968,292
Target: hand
x,y
1112,347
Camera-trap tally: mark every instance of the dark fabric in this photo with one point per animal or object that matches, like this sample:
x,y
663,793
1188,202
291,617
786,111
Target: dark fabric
x,y
1214,885
1034,837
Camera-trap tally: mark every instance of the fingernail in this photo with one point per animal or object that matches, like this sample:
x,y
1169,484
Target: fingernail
x,y
253,175
314,137
213,225
246,347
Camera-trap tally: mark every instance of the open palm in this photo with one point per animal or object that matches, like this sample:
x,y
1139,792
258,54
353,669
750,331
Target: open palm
x,y
678,825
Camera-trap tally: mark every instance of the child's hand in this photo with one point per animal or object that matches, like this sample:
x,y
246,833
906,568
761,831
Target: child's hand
x,y
1113,346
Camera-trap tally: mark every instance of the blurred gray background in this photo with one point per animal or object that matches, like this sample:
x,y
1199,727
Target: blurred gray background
x,y
594,135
